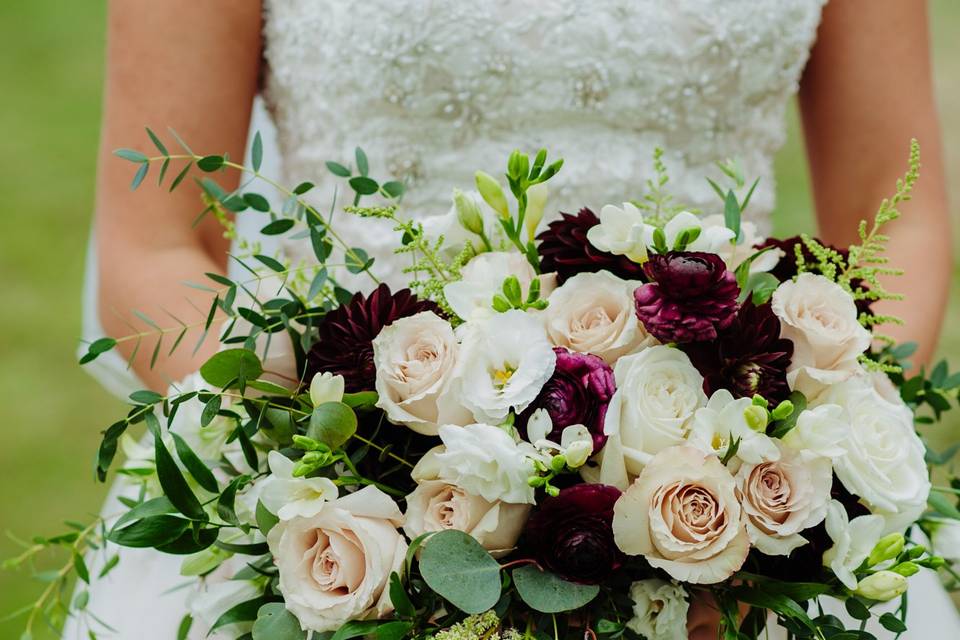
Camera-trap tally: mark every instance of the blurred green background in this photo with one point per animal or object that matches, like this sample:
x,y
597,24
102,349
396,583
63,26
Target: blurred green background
x,y
51,412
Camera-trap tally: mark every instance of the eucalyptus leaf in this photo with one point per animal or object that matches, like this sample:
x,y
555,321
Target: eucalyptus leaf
x,y
549,593
332,423
229,365
457,568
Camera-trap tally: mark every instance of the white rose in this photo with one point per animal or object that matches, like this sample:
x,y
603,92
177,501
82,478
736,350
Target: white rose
x,y
482,278
783,497
436,505
658,391
335,566
716,426
594,313
289,497
820,430
853,540
945,539
504,362
620,232
659,610
821,320
883,462
683,516
415,358
484,461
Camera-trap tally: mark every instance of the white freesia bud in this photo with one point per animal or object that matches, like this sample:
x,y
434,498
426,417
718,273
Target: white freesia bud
x,y
578,453
882,586
468,213
536,203
492,193
326,387
621,232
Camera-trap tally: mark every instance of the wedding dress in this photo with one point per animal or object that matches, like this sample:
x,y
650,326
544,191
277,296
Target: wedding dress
x,y
435,89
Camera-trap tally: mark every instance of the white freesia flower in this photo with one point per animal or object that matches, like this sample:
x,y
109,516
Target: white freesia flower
x,y
820,430
335,566
783,497
883,462
716,426
713,238
620,232
289,497
415,359
683,516
504,361
734,254
659,610
482,278
594,313
326,387
437,505
853,540
821,320
485,461
658,392
455,235
576,442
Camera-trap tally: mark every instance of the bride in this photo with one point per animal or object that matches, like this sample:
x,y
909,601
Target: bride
x,y
431,88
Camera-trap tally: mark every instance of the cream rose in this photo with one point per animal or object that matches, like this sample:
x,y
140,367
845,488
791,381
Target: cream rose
x,y
783,497
683,516
821,320
335,566
658,392
659,609
593,313
436,505
883,460
415,358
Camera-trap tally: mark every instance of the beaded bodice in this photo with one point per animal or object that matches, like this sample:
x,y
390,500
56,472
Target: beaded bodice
x,y
435,89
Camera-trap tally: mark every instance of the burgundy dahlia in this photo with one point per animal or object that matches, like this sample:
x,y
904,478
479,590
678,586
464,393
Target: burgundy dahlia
x,y
748,358
345,335
564,249
572,534
691,296
577,393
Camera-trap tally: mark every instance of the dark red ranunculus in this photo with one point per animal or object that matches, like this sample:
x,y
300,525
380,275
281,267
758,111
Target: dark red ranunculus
x,y
572,534
345,335
690,298
577,393
565,250
748,358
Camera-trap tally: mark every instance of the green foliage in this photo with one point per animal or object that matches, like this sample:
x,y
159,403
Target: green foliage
x,y
231,367
274,622
332,423
548,593
457,568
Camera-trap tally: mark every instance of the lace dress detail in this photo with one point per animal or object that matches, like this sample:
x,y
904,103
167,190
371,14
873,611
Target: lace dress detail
x,y
434,90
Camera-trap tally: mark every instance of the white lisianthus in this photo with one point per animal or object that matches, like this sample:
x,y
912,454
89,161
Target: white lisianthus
x,y
658,392
683,516
820,430
594,313
504,361
820,318
713,238
326,387
335,566
289,497
485,461
945,539
620,232
783,497
659,610
853,540
437,505
415,359
718,425
576,441
482,278
883,463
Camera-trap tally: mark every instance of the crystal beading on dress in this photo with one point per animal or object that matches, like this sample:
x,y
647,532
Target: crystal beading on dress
x,y
433,89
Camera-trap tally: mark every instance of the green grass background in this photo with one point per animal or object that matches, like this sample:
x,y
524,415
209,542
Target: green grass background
x,y
51,412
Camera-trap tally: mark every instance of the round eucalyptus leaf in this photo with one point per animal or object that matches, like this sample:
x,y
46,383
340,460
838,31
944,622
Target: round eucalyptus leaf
x,y
332,423
456,567
231,364
549,593
274,622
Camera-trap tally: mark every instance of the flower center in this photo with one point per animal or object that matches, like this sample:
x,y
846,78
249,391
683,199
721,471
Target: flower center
x,y
502,376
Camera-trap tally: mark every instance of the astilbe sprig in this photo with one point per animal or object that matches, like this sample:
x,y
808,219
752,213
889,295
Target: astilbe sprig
x,y
483,626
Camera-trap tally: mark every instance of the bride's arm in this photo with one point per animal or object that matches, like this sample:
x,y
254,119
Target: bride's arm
x,y
192,66
867,90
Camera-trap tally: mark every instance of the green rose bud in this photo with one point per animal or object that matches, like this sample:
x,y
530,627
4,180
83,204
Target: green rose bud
x,y
756,417
468,213
882,586
492,193
887,548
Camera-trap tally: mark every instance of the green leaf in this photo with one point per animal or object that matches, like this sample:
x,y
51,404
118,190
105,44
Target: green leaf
x,y
943,505
360,399
225,503
108,447
139,175
363,185
210,410
256,202
256,152
322,247
316,285
332,423
150,532
731,213
200,472
338,169
270,263
362,165
357,260
80,567
156,142
243,612
158,506
131,155
98,346
277,227
180,176
145,396
779,603
399,598
783,427
210,163
892,623
548,593
184,629
174,485
190,542
274,622
395,630
355,629
857,609
224,367
393,188
456,567
303,187
265,519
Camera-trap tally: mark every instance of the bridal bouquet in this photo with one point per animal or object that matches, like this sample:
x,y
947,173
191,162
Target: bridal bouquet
x,y
563,430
